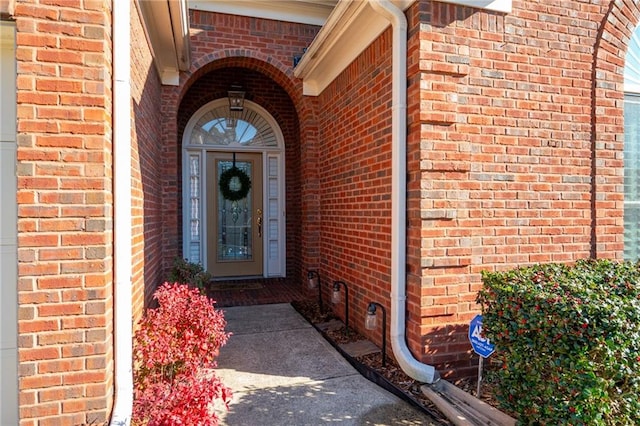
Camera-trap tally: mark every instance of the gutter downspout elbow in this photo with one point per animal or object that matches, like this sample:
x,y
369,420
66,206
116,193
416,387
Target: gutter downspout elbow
x,y
122,329
412,367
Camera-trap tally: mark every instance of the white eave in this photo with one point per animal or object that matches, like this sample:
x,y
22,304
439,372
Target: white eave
x,y
351,27
314,12
167,26
495,5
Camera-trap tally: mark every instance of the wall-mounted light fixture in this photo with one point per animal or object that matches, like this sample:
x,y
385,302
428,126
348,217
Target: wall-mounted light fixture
x,y
336,298
236,104
371,322
313,281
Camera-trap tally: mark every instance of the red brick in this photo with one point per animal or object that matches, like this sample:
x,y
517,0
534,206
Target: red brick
x,y
38,354
61,366
59,282
45,339
59,56
40,410
84,377
60,310
62,28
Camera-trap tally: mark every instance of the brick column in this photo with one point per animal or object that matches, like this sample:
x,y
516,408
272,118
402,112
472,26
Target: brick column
x,y
64,212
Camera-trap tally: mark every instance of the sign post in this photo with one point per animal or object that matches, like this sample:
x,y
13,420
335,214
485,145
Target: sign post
x,y
480,344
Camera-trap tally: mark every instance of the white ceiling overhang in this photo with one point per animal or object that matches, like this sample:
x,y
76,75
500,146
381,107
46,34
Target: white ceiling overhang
x,y
314,12
351,27
167,26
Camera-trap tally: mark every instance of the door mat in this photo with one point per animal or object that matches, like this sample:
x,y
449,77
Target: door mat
x,y
235,286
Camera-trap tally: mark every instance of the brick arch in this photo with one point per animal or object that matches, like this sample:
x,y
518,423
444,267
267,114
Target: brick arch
x,y
608,128
250,59
282,76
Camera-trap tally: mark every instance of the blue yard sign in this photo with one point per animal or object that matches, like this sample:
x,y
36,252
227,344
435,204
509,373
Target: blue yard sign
x,y
481,344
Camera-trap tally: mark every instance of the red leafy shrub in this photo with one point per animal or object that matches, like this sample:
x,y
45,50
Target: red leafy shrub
x,y
175,347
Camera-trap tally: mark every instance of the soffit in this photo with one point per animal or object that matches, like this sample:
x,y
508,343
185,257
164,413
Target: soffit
x,y
300,11
166,24
351,27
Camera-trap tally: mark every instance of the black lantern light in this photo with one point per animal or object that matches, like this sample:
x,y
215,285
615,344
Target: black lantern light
x,y
236,104
313,281
371,322
336,298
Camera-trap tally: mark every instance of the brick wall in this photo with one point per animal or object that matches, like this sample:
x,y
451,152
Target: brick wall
x,y
261,50
355,179
502,167
64,211
508,171
147,209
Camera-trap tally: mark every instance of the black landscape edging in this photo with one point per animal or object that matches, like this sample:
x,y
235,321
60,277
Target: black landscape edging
x,y
375,377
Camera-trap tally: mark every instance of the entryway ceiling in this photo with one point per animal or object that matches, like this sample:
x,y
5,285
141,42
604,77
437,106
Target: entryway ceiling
x,y
313,12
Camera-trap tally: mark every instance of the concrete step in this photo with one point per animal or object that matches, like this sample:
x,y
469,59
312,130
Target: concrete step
x,y
331,325
360,348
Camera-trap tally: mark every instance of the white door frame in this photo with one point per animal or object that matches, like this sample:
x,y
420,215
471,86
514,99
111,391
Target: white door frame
x,y
194,196
8,230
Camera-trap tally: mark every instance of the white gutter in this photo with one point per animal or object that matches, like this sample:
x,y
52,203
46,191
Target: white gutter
x,y
122,332
415,369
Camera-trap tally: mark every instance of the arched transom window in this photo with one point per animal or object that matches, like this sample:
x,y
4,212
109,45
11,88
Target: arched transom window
x,y
219,126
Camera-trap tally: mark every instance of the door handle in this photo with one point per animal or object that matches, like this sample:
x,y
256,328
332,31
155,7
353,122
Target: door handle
x,y
259,223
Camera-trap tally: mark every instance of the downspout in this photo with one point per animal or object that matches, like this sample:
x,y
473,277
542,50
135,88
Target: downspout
x,y
123,339
412,367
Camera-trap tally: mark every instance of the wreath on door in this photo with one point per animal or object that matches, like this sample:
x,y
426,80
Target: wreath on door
x,y
240,181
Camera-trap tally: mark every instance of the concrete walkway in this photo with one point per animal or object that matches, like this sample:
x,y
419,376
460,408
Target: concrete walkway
x,y
283,372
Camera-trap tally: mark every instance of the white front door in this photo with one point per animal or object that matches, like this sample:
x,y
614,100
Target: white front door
x,y
8,230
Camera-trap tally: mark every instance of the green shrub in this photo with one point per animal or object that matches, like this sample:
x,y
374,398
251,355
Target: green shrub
x,y
185,272
569,341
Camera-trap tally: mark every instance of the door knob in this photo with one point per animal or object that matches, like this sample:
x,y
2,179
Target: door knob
x,y
259,222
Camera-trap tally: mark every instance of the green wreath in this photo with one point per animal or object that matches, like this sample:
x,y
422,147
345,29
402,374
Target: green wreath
x,y
225,184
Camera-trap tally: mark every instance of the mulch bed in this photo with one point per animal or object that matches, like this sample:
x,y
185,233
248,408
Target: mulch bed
x,y
410,387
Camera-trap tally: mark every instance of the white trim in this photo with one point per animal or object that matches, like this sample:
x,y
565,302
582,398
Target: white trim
x,y
275,269
300,11
349,30
123,310
277,151
166,25
496,5
352,27
8,230
7,35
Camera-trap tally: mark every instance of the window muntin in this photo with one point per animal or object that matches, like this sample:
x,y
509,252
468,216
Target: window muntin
x,y
217,127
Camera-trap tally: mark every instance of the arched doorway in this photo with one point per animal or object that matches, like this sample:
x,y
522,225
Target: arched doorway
x,y
233,191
